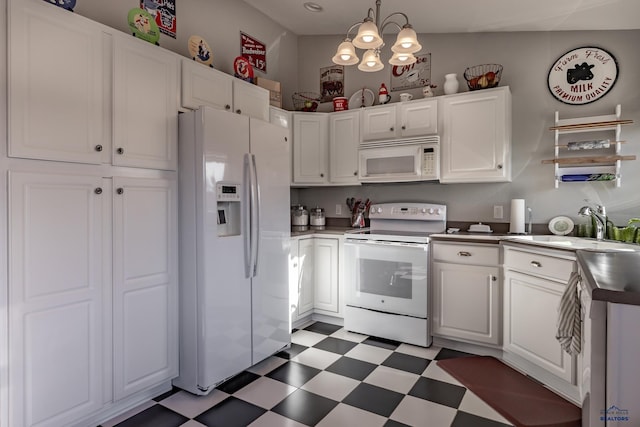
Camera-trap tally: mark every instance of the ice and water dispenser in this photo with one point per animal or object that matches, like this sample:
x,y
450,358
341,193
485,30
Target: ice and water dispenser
x,y
228,198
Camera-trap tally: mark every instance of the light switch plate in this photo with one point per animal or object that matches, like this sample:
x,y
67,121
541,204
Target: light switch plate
x,y
498,212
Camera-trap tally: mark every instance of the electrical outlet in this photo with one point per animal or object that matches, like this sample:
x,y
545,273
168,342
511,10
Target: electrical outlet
x,y
498,212
338,209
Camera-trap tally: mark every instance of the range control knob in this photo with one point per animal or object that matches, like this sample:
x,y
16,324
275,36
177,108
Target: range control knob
x,y
379,210
438,211
424,210
431,211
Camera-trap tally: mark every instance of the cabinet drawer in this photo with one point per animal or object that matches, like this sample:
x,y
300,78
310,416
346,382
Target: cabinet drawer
x,y
467,253
539,264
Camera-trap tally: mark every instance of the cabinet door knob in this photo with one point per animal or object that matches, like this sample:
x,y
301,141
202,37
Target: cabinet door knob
x,y
403,127
120,150
120,190
99,147
536,264
500,166
321,175
238,111
464,253
355,173
227,107
392,128
494,278
98,190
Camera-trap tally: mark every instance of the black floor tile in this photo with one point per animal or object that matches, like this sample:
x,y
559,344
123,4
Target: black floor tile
x,y
234,384
305,407
292,352
382,342
322,328
406,362
437,391
392,423
374,399
446,353
352,368
335,345
155,416
464,419
163,396
231,412
292,373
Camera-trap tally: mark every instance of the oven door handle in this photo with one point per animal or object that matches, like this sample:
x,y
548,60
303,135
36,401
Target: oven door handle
x,y
356,242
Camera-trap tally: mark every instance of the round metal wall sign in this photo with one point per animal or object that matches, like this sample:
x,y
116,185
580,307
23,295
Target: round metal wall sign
x,y
583,75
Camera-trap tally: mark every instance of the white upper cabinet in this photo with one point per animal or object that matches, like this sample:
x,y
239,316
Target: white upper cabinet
x,y
344,137
310,148
400,120
476,136
145,105
55,82
202,85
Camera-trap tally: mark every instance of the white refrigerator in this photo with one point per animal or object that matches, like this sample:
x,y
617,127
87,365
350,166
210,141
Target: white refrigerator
x,y
234,177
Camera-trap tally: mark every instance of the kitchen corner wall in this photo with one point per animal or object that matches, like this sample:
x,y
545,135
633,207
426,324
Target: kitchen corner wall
x,y
526,57
219,22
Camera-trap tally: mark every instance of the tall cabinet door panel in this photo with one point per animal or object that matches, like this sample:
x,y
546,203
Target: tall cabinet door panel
x,y
56,74
310,148
306,276
344,137
145,283
145,105
56,297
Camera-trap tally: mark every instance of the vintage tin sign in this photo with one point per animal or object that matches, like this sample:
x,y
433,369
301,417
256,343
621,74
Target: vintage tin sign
x,y
255,51
143,26
164,13
582,75
200,50
412,76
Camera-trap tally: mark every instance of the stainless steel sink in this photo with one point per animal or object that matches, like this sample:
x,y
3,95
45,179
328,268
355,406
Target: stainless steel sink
x,y
570,242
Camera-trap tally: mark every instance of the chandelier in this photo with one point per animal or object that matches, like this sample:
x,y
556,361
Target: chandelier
x,y
369,38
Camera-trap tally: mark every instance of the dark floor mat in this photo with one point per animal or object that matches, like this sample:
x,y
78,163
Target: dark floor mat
x,y
519,399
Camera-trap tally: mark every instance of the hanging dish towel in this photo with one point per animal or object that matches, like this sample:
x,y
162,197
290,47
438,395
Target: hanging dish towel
x,y
569,327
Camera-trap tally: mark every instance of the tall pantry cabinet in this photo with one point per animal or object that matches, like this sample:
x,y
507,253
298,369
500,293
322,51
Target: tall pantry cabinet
x,y
92,218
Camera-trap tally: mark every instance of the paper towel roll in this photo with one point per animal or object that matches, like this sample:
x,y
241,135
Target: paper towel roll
x,y
517,216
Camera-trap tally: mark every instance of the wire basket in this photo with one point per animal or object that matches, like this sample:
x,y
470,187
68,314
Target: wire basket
x,y
306,101
483,76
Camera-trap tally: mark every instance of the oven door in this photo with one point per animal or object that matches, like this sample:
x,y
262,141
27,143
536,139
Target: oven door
x,y
387,276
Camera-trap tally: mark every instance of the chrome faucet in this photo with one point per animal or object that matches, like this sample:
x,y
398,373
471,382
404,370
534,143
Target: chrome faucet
x,y
600,217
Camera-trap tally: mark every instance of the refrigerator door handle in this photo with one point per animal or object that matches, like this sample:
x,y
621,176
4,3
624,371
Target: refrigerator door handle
x,y
246,215
255,216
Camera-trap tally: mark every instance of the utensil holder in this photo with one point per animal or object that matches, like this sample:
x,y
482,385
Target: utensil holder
x,y
357,220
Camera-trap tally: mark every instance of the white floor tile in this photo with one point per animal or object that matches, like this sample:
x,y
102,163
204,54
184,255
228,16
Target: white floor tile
x,y
267,365
333,386
414,350
307,338
130,413
437,373
392,379
476,406
191,405
415,412
350,416
316,358
265,392
369,353
349,336
271,419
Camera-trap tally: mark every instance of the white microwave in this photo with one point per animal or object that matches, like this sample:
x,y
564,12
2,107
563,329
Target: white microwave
x,y
400,160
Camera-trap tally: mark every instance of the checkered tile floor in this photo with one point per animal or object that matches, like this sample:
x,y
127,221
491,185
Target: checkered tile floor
x,y
329,377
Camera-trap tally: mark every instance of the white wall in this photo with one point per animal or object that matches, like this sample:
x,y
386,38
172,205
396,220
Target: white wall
x,y
219,22
526,58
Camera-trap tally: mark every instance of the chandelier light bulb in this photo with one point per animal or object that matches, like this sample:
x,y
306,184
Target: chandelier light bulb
x,y
407,41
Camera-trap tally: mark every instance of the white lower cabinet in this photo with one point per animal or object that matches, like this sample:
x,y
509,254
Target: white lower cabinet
x,y
325,260
145,310
314,276
77,343
57,309
534,281
466,292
